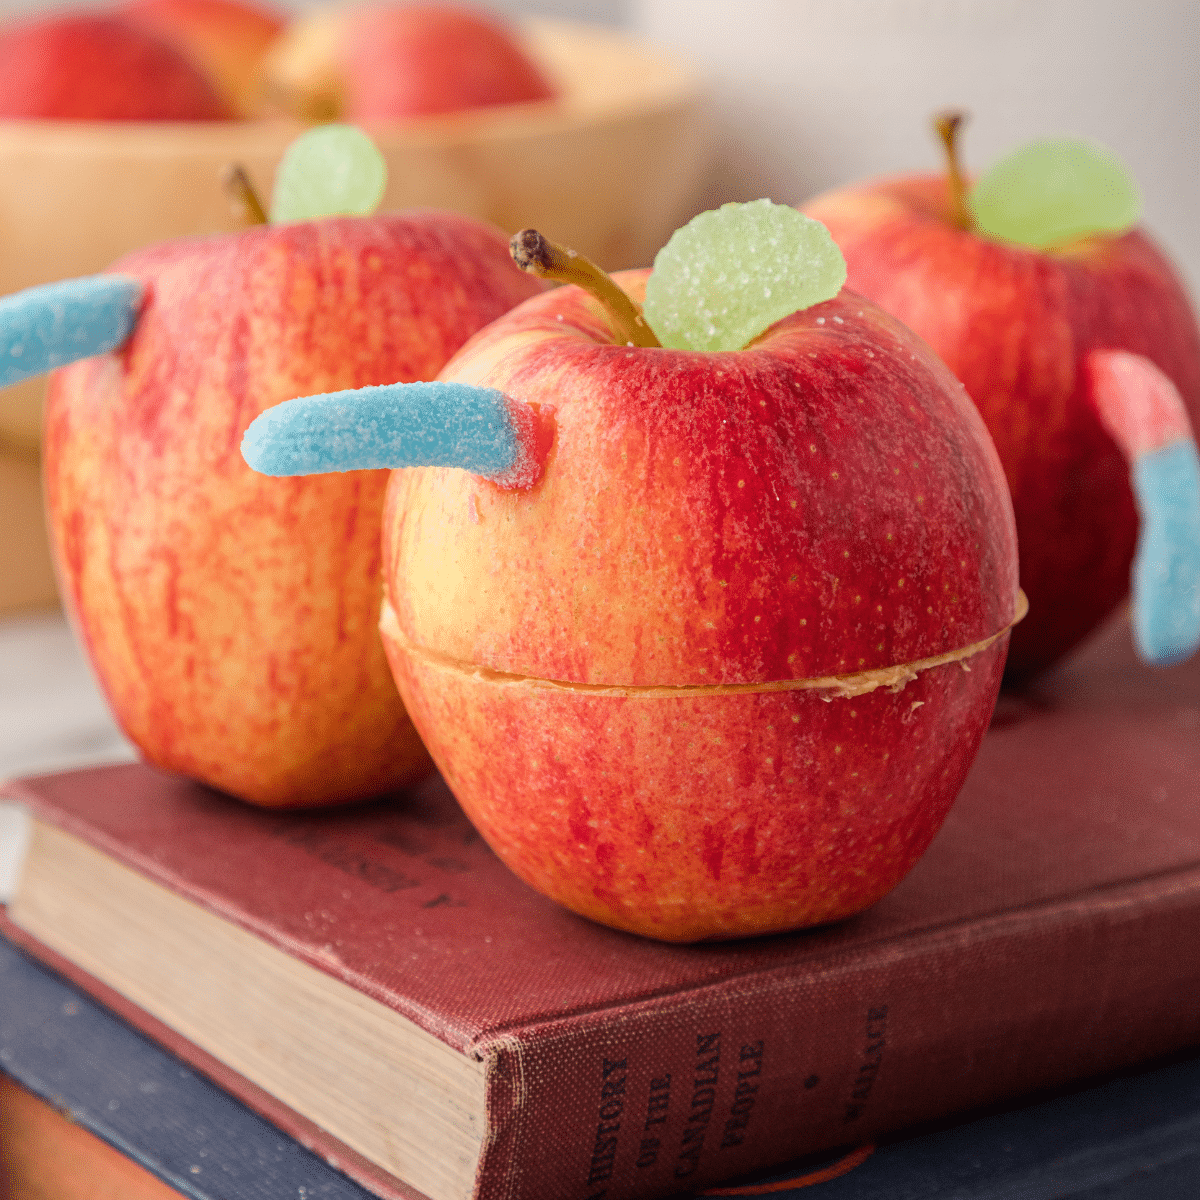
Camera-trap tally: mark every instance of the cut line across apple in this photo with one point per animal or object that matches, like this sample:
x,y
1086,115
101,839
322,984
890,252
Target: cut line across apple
x,y
716,664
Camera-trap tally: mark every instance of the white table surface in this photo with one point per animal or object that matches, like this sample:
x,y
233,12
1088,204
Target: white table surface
x,y
52,714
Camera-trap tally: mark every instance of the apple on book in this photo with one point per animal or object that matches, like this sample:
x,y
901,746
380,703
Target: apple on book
x,y
707,633
99,66
393,61
1075,338
231,620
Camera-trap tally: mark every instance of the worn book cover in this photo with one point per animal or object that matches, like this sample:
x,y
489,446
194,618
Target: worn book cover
x,y
91,1110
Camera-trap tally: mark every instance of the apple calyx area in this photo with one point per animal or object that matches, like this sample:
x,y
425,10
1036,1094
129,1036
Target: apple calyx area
x,y
539,256
831,687
947,125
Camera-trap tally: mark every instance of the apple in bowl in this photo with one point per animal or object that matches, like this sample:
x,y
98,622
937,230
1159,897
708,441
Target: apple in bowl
x,y
142,60
386,62
705,635
227,39
100,67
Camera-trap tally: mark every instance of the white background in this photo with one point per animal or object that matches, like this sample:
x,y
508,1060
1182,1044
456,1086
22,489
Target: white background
x,y
810,94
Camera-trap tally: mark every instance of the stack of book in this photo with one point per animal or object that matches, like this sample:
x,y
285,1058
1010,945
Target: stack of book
x,y
367,999
1133,1138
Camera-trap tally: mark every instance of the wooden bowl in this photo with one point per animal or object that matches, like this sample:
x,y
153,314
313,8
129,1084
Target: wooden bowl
x,y
611,168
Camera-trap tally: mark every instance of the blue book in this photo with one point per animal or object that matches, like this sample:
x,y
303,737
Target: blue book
x,y
1132,1138
59,1044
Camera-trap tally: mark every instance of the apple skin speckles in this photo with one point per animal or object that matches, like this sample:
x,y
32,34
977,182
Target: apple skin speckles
x,y
590,662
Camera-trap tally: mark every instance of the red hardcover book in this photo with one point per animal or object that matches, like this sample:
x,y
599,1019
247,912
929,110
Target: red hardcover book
x,y
375,982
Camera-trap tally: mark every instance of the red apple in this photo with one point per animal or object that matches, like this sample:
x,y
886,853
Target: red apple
x,y
384,62
1025,329
225,38
232,620
721,669
707,645
99,67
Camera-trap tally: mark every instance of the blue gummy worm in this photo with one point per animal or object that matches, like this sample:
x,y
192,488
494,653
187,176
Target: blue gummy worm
x,y
58,323
1166,568
394,425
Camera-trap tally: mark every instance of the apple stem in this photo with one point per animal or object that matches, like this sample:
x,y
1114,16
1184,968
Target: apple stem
x,y
548,260
237,184
947,126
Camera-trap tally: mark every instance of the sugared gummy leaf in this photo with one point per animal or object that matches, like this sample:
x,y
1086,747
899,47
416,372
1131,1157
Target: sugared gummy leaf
x,y
730,273
1053,191
331,170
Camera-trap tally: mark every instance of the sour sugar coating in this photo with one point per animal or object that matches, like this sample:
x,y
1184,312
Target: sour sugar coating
x,y
1053,191
330,170
1166,569
1142,411
396,425
57,323
729,274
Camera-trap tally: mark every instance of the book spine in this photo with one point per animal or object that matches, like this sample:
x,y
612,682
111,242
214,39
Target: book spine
x,y
677,1093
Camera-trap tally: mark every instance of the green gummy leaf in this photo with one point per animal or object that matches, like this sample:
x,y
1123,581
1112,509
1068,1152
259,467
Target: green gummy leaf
x,y
1053,191
332,170
729,274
